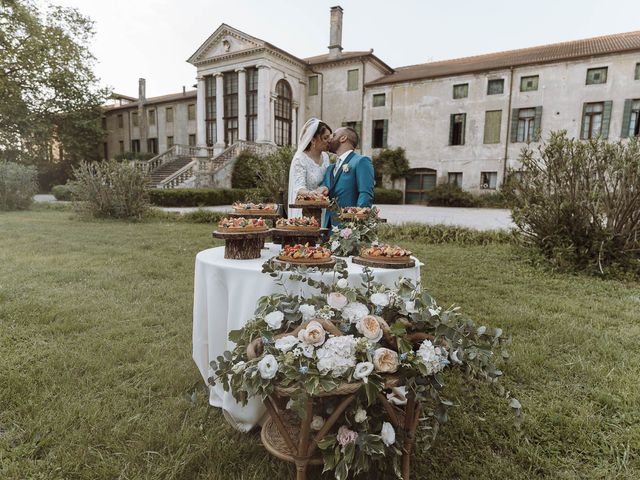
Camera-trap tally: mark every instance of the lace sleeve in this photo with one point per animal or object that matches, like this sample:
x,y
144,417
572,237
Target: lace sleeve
x,y
298,175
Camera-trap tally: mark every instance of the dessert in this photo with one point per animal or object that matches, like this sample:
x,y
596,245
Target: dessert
x,y
355,212
312,198
387,253
258,208
302,223
239,225
305,254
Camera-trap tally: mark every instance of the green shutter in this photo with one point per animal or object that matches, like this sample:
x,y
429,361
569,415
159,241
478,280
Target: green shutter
x,y
492,123
385,132
626,118
584,113
514,124
537,123
358,129
450,129
606,119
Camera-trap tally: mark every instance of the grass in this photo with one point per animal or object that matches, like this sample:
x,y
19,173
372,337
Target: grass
x,y
97,381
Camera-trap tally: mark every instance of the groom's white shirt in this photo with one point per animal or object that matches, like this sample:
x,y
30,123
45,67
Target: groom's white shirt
x,y
341,159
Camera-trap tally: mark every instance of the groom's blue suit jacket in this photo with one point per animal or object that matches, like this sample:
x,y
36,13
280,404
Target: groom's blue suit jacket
x,y
351,188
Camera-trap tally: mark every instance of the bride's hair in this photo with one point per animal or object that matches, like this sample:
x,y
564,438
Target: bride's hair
x,y
319,132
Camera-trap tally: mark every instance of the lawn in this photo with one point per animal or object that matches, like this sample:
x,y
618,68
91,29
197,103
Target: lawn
x,y
97,381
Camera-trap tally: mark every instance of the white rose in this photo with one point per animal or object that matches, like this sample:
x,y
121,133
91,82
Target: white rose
x,y
317,423
398,395
274,319
313,334
361,415
337,300
388,434
342,283
268,366
307,311
385,360
354,311
370,327
363,369
238,367
284,344
380,299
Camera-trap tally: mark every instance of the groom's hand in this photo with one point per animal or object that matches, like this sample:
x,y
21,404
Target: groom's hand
x,y
323,190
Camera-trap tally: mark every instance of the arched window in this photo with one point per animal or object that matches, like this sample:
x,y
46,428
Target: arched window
x,y
282,133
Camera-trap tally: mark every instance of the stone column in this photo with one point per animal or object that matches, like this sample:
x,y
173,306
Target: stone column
x,y
219,146
294,123
302,101
272,117
264,122
201,134
242,104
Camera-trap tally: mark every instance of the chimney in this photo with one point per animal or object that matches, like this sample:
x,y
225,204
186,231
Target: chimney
x,y
335,36
184,90
142,89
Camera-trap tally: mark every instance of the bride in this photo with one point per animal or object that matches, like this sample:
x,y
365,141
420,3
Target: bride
x,y
310,161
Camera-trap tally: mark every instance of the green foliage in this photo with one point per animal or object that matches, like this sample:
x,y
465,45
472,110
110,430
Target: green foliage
x,y
444,234
135,156
353,234
17,186
244,173
50,108
110,189
392,162
450,195
199,197
578,203
62,192
272,173
492,200
387,196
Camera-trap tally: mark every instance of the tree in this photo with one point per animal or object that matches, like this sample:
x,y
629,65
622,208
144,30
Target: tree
x,y
392,162
50,109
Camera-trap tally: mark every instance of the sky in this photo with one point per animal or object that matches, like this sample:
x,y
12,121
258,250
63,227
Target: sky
x,y
153,38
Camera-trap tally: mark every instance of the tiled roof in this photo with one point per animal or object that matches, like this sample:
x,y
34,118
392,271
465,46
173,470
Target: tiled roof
x,y
597,46
324,58
172,97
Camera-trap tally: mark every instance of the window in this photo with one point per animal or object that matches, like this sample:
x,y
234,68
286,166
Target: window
x,y
191,111
134,119
592,120
168,114
529,84
152,117
488,180
121,146
379,133
526,124
456,128
455,178
631,118
169,142
120,121
461,90
419,182
252,104
357,126
636,76
352,80
313,85
135,146
283,115
230,107
192,140
492,124
104,123
210,109
152,145
596,75
495,86
379,99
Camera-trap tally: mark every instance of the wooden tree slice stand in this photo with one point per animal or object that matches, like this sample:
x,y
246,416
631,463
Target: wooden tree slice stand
x,y
267,217
295,237
242,245
391,264
308,210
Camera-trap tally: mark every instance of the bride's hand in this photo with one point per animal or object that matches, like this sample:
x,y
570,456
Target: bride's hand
x,y
322,190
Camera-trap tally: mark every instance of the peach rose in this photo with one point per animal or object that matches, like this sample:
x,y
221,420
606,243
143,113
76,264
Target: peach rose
x,y
385,360
370,327
337,300
313,334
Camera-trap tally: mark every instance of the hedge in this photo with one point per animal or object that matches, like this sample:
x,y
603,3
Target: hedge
x,y
387,196
198,197
62,192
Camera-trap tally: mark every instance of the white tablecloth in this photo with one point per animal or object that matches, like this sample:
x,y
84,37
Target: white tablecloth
x,y
224,299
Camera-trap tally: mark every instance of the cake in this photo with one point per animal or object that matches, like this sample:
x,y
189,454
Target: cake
x,y
312,199
258,208
239,225
302,223
386,253
305,254
355,212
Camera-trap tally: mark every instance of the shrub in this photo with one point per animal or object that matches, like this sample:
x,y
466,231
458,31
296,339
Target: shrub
x,y
244,174
18,185
199,197
492,200
135,156
578,203
110,189
450,195
392,162
387,196
437,234
272,172
62,192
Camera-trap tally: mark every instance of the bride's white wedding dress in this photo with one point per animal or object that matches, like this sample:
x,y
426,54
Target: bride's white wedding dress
x,y
305,173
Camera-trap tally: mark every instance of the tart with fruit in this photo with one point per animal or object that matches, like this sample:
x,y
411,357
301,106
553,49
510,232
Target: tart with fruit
x,y
355,212
305,254
299,224
386,253
313,199
255,208
242,225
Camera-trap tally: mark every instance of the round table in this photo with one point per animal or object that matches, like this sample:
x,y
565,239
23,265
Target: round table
x,y
224,299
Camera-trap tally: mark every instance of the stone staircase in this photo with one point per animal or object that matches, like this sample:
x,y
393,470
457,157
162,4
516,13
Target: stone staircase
x,y
168,169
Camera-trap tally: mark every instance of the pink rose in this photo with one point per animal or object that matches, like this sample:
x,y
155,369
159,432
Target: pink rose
x,y
370,327
346,436
337,300
385,360
346,232
314,334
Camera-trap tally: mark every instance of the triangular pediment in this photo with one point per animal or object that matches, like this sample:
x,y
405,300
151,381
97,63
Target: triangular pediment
x,y
224,41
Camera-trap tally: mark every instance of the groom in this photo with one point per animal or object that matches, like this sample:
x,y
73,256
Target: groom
x,y
350,181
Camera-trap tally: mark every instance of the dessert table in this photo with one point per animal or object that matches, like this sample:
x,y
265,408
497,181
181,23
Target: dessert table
x,y
224,299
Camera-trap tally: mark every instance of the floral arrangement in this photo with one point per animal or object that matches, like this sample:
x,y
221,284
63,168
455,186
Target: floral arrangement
x,y
393,345
358,232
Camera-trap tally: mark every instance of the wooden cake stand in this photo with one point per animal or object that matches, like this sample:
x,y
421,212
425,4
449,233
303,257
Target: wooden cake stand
x,y
242,245
382,263
310,210
294,237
